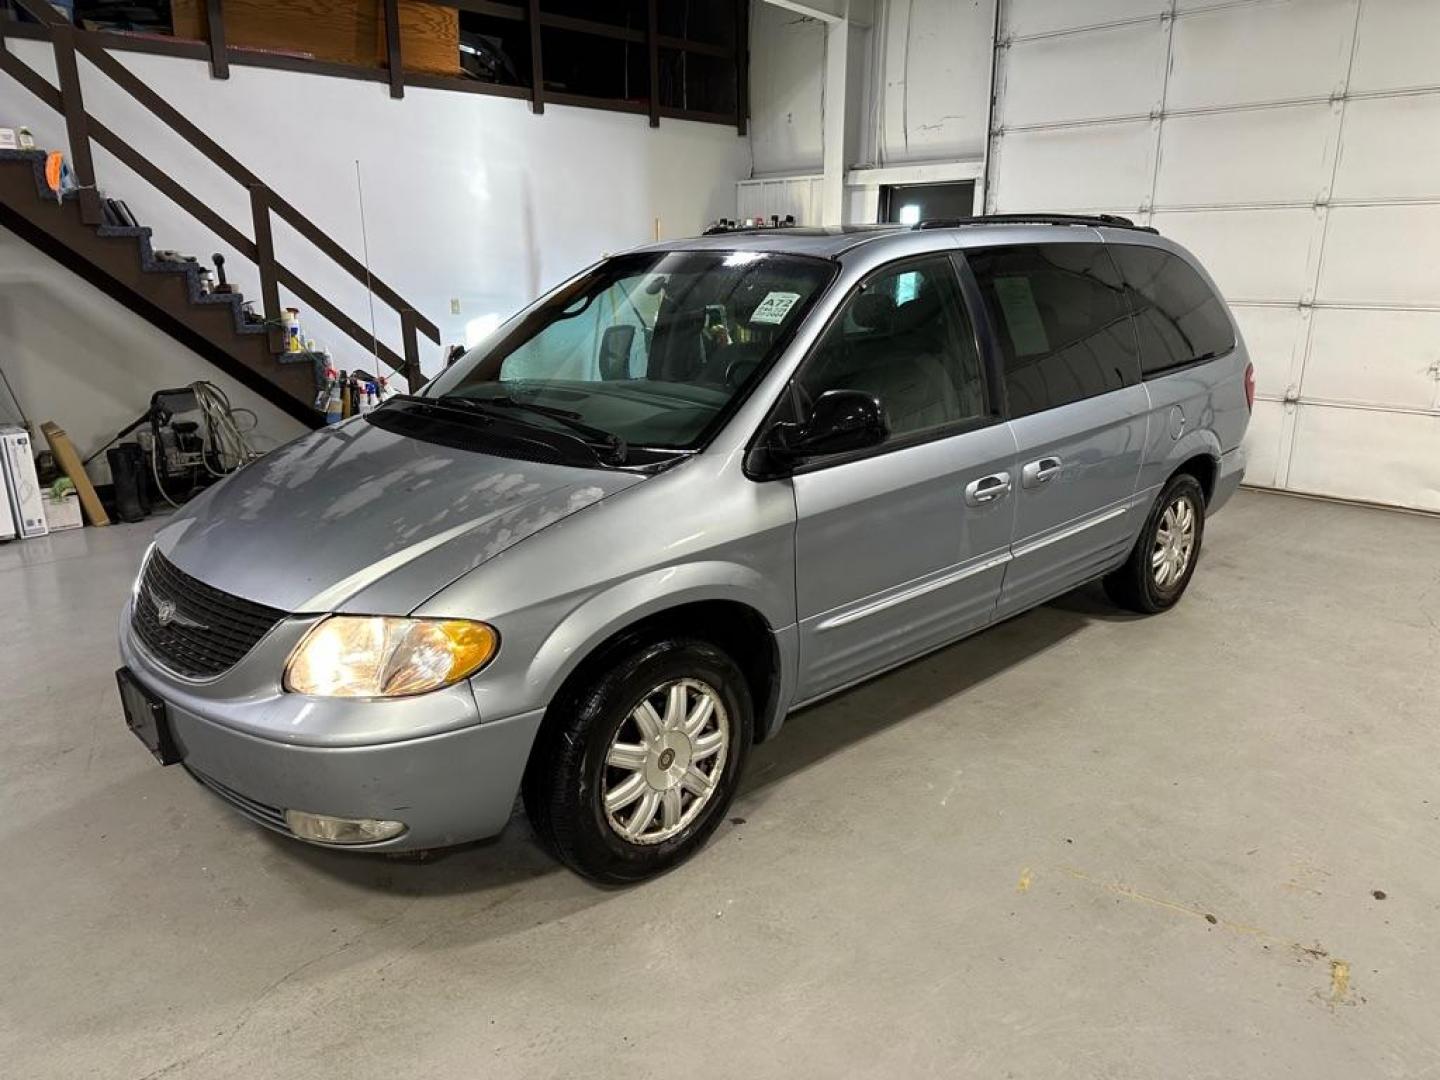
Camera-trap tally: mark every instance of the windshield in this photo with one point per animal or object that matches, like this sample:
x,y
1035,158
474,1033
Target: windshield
x,y
649,349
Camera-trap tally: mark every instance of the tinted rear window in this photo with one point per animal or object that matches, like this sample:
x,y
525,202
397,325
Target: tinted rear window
x,y
1063,326
1178,319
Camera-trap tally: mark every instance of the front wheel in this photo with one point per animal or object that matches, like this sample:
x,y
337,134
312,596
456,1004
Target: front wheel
x,y
634,772
1164,557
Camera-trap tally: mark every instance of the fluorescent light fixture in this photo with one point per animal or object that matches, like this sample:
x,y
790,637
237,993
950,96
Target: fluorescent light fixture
x,y
910,214
742,258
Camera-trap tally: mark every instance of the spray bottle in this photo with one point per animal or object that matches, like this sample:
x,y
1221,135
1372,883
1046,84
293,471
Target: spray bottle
x,y
322,399
334,409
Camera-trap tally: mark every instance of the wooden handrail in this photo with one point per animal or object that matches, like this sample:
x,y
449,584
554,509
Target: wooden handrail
x,y
83,128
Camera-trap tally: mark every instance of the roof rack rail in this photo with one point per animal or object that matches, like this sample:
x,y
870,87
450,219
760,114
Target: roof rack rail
x,y
1112,221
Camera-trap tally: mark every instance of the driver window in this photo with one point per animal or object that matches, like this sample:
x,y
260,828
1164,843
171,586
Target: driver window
x,y
904,337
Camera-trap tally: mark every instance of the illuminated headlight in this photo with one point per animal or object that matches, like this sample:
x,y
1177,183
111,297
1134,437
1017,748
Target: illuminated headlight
x,y
324,829
377,656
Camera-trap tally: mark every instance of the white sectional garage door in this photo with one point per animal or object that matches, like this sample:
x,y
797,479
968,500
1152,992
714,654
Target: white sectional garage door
x,y
1294,145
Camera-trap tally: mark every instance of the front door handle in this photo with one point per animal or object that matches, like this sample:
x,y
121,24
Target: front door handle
x,y
1035,473
987,489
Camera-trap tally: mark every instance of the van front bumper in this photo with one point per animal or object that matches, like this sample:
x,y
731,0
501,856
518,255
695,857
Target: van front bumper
x,y
446,789
265,751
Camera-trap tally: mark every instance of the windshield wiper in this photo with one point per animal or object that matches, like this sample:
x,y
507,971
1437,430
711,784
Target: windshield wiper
x,y
613,444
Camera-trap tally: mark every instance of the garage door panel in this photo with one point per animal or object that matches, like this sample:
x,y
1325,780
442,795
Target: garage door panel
x,y
1253,156
1229,241
1396,47
1070,168
1262,443
1383,457
1090,76
1045,16
1273,337
1382,255
1391,148
1263,52
1291,145
1374,357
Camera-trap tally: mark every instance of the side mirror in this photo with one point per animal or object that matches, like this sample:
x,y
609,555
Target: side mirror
x,y
455,352
840,421
615,345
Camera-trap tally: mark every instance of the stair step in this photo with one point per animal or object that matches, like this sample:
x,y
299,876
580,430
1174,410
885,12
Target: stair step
x,y
62,224
136,231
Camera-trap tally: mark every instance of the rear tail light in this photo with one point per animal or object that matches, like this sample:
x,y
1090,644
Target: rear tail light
x,y
1250,387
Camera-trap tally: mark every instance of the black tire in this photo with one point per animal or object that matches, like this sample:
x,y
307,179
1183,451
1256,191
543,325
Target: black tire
x,y
565,779
1134,585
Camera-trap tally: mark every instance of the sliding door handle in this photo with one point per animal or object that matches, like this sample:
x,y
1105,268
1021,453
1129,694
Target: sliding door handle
x,y
987,489
1035,473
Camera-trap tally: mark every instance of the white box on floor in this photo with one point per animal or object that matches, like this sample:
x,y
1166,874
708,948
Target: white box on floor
x,y
17,462
62,513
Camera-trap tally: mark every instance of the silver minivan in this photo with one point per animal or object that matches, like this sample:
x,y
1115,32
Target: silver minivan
x,y
695,487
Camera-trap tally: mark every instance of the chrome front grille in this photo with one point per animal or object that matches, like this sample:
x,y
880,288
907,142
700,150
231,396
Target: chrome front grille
x,y
193,629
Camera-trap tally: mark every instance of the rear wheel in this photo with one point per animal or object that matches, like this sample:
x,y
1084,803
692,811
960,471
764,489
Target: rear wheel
x,y
634,772
1164,557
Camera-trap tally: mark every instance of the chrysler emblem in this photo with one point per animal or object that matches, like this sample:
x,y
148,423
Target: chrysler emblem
x,y
165,614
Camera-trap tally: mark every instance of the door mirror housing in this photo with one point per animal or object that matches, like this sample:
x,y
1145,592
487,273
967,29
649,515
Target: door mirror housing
x,y
841,421
615,345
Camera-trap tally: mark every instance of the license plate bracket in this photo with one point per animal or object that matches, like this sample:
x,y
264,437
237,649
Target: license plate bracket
x,y
145,715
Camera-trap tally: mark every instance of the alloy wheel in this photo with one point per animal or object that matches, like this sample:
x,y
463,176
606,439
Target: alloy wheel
x,y
1174,543
665,762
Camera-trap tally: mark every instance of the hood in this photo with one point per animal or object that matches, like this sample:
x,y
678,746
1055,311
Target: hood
x,y
355,518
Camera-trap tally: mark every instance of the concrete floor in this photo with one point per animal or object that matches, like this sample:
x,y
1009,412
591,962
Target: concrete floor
x,y
1078,845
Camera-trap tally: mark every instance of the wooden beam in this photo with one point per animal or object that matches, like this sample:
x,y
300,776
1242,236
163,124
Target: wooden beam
x,y
215,31
742,65
77,124
265,260
488,7
703,48
593,28
652,38
537,66
393,59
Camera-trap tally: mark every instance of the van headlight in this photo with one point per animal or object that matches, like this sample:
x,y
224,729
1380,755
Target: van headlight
x,y
380,656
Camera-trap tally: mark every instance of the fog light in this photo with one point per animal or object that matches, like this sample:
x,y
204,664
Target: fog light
x,y
325,829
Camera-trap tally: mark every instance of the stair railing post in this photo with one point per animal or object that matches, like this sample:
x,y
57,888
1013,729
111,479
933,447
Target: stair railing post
x,y
265,260
215,32
413,376
77,123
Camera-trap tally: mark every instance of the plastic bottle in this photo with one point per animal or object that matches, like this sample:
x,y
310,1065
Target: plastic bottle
x,y
322,399
334,410
291,322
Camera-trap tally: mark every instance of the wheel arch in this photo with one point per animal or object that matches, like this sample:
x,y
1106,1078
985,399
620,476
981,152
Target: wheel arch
x,y
723,604
1204,467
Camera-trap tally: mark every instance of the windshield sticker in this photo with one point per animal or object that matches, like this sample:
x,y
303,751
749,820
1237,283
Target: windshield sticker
x,y
774,307
1022,316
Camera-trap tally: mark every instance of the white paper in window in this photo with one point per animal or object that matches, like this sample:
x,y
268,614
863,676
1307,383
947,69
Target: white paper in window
x,y
774,307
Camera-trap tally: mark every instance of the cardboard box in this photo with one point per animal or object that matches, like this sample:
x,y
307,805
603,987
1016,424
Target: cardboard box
x,y
62,513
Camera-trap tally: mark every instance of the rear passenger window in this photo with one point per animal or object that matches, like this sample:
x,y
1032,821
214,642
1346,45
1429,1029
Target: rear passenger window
x,y
905,339
1061,319
1178,319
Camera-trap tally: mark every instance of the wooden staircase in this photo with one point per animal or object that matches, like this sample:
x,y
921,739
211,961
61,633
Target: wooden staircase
x,y
121,261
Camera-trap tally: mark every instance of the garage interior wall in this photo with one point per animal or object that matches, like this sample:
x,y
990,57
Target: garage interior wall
x,y
467,198
1294,146
917,98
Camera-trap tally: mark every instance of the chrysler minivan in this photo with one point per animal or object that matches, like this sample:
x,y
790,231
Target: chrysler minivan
x,y
693,488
